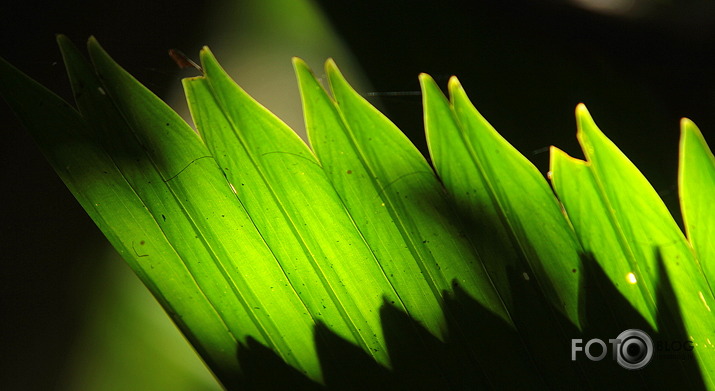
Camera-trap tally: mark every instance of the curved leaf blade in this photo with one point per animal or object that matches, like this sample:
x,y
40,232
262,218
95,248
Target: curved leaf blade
x,y
316,241
697,195
527,204
655,240
387,184
410,204
539,315
598,231
93,178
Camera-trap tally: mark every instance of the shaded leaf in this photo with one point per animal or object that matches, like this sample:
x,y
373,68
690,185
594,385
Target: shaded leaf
x,y
651,234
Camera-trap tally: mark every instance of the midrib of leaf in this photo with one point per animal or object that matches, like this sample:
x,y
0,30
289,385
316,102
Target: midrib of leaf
x,y
452,156
284,212
648,284
497,205
398,219
428,82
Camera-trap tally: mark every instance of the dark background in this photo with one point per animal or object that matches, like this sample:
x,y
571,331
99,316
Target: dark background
x,y
525,64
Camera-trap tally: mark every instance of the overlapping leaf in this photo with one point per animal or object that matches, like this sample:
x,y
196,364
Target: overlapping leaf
x,y
515,222
401,209
643,239
595,223
293,204
491,177
94,179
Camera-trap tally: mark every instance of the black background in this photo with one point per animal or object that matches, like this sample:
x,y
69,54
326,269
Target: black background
x,y
525,64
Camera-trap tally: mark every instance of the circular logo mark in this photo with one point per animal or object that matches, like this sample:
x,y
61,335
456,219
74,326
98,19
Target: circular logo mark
x,y
635,350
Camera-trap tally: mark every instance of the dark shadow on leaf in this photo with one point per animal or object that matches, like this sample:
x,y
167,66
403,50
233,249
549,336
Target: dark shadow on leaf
x,y
419,359
346,366
484,352
264,370
545,332
479,336
681,365
607,313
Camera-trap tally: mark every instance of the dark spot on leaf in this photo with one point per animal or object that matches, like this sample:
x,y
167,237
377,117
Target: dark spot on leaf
x,y
141,243
349,171
163,217
573,270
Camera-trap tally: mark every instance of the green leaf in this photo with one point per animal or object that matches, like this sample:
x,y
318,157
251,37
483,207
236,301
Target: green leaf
x,y
403,212
525,202
178,179
597,227
515,223
323,122
654,239
407,202
697,195
295,207
93,178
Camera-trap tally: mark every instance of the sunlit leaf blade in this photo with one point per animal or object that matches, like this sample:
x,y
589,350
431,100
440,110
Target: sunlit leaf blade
x,y
275,174
697,195
538,315
526,203
410,206
599,233
654,239
204,221
446,147
341,164
402,211
95,181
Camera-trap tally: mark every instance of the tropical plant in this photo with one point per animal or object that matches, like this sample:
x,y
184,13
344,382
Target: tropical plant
x,y
355,264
